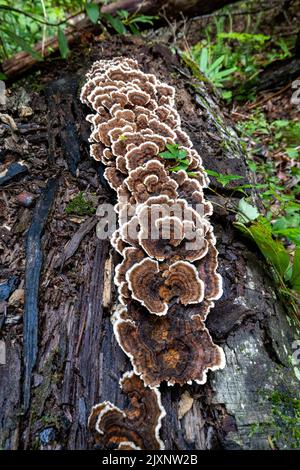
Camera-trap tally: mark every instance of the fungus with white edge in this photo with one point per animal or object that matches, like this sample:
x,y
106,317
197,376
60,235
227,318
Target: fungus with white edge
x,y
166,287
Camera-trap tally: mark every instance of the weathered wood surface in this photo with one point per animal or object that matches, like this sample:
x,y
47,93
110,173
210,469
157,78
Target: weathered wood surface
x,y
79,362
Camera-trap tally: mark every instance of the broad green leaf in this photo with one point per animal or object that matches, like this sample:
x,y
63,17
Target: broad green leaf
x,y
223,179
247,212
167,155
273,250
3,76
62,43
292,152
93,12
181,154
173,148
216,63
203,59
116,23
295,279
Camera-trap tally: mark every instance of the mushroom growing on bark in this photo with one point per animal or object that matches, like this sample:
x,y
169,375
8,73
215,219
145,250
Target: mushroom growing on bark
x,y
167,281
137,427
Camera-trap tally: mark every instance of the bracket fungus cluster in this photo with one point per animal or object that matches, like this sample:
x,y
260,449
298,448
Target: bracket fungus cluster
x,y
167,281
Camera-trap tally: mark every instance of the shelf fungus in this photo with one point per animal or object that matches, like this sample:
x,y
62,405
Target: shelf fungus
x,y
135,428
167,280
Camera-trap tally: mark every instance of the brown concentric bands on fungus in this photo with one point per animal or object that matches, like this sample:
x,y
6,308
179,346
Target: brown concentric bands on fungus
x,y
166,287
137,427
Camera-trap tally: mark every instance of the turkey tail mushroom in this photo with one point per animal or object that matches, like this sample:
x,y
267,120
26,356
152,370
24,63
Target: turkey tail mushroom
x,y
168,280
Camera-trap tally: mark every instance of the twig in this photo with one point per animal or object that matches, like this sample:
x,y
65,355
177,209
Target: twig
x,y
255,105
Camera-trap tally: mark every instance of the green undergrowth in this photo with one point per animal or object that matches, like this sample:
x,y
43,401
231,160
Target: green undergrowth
x,y
24,24
229,59
273,161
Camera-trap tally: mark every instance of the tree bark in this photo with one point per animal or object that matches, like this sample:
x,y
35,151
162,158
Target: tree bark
x,y
79,362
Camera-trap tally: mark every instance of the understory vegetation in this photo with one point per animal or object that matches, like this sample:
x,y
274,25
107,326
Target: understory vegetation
x,y
231,61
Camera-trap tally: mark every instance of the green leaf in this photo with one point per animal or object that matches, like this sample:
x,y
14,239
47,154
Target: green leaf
x,y
225,73
123,14
203,60
293,234
216,63
252,166
295,279
3,76
292,152
181,166
167,155
144,19
173,148
134,29
22,44
62,43
223,179
115,23
181,154
273,250
227,95
246,213
93,12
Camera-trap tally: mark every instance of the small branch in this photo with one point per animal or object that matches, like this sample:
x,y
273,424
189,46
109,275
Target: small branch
x,y
267,98
35,18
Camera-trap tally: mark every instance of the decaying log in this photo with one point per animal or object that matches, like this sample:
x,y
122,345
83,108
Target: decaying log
x,y
62,128
276,75
79,362
23,61
34,260
171,8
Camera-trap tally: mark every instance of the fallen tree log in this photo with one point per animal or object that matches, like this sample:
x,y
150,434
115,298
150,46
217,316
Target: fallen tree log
x,y
171,8
23,61
79,362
